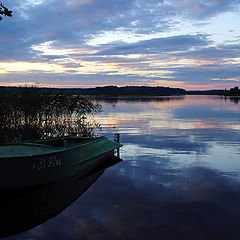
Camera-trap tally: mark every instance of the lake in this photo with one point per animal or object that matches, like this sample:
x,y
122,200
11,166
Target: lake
x,y
179,178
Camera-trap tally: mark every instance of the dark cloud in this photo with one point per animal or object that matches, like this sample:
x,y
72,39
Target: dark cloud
x,y
73,78
70,64
208,74
217,53
110,59
156,45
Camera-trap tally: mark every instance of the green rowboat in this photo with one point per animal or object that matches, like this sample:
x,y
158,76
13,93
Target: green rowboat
x,y
28,164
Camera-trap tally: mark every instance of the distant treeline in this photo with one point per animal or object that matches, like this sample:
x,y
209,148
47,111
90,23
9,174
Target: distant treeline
x,y
206,92
126,91
108,91
232,92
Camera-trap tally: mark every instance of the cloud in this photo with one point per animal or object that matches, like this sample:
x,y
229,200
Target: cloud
x,y
156,45
71,78
204,9
219,52
70,23
208,73
68,27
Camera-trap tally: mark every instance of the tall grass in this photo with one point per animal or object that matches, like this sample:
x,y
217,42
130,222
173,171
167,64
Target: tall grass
x,y
30,113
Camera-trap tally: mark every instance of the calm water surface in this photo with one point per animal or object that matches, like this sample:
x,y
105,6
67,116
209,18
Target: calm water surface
x,y
180,178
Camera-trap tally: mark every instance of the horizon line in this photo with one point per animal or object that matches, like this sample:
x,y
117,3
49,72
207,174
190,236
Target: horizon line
x,y
96,86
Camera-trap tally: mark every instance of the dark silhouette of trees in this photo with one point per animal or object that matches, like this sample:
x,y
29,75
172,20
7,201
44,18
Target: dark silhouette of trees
x,y
4,11
232,92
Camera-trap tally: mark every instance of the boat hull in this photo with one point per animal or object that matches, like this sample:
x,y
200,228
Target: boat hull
x,y
28,171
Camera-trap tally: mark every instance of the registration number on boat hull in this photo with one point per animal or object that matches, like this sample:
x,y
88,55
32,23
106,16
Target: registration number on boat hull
x,y
46,162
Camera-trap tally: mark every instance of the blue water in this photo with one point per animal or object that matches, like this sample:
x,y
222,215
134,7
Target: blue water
x,y
180,178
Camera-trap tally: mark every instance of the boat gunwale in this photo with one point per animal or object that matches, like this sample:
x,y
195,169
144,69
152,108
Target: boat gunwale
x,y
61,149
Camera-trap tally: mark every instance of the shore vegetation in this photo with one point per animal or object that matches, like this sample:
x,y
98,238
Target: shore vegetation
x,y
30,114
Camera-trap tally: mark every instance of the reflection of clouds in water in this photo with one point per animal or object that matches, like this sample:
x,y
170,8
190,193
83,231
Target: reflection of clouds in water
x,y
210,151
191,112
173,143
180,177
215,103
194,204
206,112
197,130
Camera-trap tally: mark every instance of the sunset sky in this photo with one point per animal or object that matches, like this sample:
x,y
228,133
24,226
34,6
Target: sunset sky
x,y
191,44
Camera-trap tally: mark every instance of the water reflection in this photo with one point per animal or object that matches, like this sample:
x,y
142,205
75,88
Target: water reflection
x,y
142,99
234,99
22,209
180,178
155,203
192,203
191,130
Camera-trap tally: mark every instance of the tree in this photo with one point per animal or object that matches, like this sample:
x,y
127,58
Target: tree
x,y
4,11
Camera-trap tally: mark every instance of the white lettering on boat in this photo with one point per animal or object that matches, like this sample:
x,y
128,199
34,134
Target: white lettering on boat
x,y
49,162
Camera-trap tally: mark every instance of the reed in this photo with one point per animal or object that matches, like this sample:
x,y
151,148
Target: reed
x,y
30,113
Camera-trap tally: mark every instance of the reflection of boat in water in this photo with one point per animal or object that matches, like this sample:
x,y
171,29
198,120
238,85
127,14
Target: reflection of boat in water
x,y
23,209
33,163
